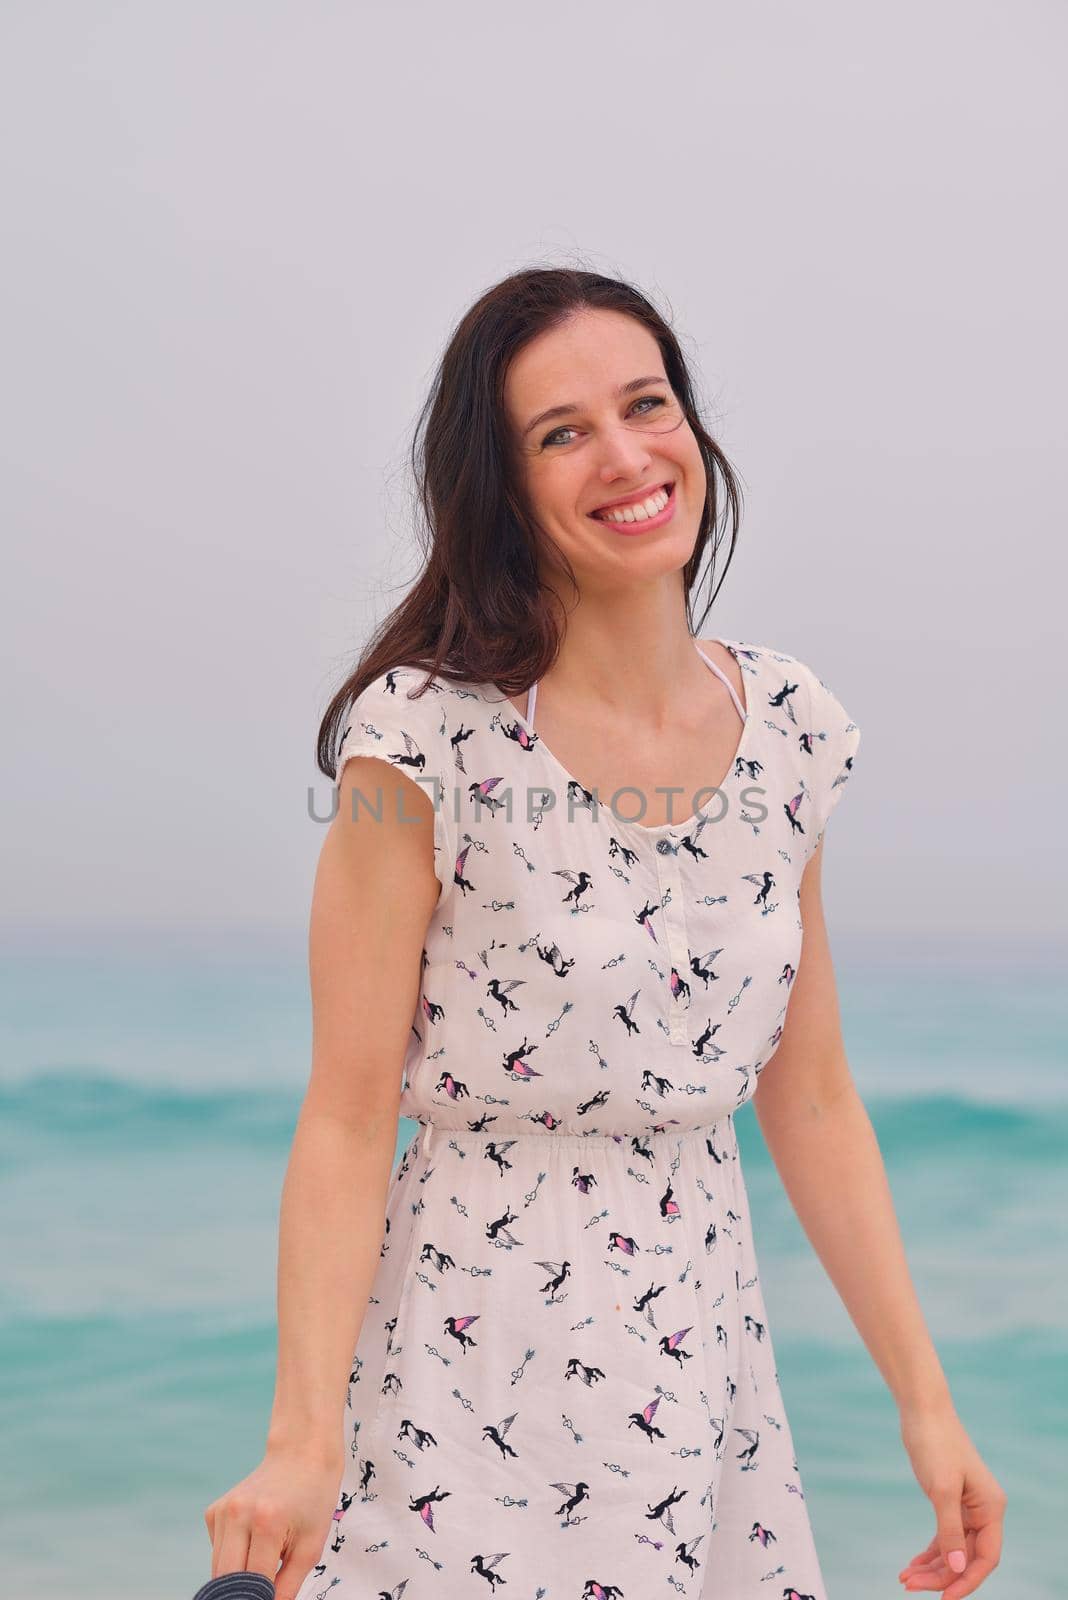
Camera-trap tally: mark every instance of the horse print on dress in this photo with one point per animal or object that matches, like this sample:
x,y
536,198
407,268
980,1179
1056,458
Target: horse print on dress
x,y
564,1378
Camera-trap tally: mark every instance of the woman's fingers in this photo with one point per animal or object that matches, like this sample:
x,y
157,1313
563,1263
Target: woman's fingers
x,y
931,1553
280,1513
935,1576
981,1565
229,1549
267,1537
921,1569
929,1570
295,1567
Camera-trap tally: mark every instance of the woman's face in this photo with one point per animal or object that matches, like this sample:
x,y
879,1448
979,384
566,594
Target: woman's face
x,y
607,447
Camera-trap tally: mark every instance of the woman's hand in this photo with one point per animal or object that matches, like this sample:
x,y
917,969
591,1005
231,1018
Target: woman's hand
x,y
969,1504
280,1513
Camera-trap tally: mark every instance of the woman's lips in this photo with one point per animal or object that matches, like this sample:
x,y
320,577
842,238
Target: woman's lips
x,y
646,523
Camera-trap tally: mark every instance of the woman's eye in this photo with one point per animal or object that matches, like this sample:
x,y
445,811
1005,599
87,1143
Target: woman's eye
x,y
653,400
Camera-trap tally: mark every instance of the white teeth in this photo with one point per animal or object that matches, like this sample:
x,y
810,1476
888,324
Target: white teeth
x,y
648,508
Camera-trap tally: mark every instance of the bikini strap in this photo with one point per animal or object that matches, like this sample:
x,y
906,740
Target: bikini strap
x,y
724,679
532,693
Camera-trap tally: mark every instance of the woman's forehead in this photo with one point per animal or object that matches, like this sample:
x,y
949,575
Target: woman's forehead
x,y
578,365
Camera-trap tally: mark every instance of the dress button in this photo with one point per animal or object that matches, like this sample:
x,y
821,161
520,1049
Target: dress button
x,y
664,846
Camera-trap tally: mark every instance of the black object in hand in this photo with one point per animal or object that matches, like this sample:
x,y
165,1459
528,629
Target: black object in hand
x,y
237,1586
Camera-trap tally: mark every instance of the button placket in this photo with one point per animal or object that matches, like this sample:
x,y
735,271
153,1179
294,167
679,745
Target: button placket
x,y
669,877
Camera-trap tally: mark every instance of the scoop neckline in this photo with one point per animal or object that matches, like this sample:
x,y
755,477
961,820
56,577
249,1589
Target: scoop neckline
x,y
658,828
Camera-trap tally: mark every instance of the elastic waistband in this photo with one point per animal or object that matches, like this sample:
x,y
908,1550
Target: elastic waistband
x,y
665,1135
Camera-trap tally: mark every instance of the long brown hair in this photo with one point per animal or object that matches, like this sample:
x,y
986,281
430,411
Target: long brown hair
x,y
478,612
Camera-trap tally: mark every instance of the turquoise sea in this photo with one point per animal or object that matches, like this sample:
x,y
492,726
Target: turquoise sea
x,y
150,1082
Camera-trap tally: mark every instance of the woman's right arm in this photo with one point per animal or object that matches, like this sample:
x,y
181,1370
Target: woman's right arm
x,y
375,891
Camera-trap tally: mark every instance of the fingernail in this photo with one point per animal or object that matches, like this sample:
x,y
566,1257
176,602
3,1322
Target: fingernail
x,y
957,1560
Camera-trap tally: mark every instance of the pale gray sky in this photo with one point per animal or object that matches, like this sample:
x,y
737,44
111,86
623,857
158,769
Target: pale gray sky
x,y
235,238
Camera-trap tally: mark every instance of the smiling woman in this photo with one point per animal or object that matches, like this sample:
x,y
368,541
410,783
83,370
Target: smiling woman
x,y
493,471
541,1342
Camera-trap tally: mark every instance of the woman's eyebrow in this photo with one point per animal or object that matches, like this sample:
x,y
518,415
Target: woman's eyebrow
x,y
566,410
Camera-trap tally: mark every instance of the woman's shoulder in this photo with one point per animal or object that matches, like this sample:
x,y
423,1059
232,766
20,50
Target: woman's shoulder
x,y
801,671
415,689
411,704
750,654
748,650
789,678
743,659
801,702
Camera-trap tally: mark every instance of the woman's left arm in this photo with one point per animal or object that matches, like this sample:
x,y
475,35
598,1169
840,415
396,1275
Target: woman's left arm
x,y
824,1148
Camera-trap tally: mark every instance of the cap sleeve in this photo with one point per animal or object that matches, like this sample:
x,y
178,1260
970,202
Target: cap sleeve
x,y
833,739
413,737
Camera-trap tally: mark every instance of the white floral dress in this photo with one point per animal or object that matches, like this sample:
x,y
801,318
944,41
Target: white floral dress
x,y
564,1379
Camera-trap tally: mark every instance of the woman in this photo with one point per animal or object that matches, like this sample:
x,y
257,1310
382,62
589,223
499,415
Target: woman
x,y
589,846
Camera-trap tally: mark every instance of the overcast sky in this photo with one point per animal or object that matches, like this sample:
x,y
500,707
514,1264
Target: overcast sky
x,y
236,237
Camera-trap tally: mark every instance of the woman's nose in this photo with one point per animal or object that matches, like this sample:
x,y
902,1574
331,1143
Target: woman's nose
x,y
623,456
